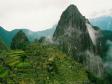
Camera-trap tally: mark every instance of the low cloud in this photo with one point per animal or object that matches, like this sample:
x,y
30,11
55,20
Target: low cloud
x,y
102,13
108,58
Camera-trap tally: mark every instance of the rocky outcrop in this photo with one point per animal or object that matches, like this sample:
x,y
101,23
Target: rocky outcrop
x,y
78,40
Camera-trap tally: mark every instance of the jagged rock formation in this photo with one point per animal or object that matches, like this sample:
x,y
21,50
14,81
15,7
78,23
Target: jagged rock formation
x,y
72,31
19,41
75,38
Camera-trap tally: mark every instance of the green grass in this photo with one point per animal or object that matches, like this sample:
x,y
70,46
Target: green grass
x,y
3,72
41,64
24,65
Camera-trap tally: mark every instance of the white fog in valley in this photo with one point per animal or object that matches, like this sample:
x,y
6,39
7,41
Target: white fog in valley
x,y
108,58
39,15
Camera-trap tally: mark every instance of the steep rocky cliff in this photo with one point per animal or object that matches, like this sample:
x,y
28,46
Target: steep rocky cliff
x,y
76,38
72,33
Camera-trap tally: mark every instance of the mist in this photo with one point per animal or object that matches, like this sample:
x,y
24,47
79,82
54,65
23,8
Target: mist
x,y
108,58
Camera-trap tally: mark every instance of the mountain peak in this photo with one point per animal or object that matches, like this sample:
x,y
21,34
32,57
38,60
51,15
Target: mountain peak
x,y
72,10
70,19
72,7
71,27
72,16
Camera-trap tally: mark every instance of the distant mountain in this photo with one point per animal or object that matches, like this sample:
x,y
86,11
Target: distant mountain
x,y
2,45
104,22
8,35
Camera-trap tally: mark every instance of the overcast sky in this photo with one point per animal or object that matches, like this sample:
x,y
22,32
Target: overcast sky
x,y
38,15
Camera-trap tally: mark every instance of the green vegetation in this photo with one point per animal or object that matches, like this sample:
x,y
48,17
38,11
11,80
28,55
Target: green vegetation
x,y
2,45
20,41
7,36
40,64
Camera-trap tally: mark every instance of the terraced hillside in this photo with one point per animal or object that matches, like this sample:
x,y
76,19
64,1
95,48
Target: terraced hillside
x,y
40,64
